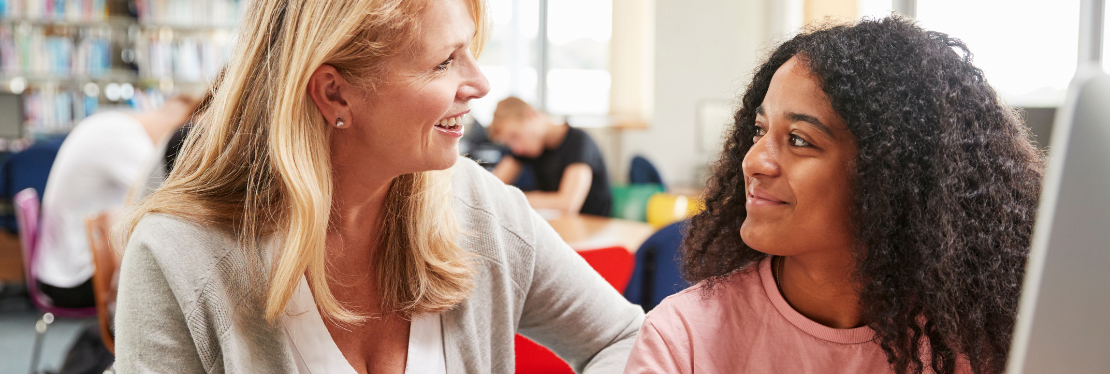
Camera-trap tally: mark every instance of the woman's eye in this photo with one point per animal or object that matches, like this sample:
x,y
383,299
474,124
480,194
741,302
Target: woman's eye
x,y
445,64
759,131
797,141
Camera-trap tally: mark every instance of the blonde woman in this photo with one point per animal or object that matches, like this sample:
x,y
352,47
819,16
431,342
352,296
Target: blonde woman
x,y
319,220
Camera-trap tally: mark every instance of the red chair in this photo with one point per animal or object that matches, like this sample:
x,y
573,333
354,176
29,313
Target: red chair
x,y
27,218
614,264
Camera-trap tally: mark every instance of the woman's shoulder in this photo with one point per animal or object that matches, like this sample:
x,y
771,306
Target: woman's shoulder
x,y
184,251
163,232
474,185
498,224
192,286
481,197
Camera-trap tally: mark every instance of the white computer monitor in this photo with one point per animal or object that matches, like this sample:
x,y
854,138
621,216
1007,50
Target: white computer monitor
x,y
1063,324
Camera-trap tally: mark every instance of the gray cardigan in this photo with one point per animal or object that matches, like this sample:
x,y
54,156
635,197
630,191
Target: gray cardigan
x,y
185,303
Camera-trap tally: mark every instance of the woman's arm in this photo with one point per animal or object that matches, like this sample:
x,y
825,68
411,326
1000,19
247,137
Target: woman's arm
x,y
573,311
151,333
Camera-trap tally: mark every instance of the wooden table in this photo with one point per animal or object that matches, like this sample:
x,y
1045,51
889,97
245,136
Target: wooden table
x,y
585,231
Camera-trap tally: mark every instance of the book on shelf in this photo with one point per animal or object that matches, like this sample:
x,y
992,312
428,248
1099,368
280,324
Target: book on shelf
x,y
70,58
55,10
50,111
189,13
36,53
189,59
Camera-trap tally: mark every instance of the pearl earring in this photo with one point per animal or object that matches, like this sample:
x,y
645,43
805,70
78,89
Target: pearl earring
x,y
339,123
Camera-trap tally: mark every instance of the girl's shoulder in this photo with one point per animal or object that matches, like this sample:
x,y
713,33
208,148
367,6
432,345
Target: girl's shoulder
x,y
742,286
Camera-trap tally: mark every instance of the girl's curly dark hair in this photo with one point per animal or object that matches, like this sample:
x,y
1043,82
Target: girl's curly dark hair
x,y
946,183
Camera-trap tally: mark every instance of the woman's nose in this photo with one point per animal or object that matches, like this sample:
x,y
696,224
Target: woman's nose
x,y
475,86
762,159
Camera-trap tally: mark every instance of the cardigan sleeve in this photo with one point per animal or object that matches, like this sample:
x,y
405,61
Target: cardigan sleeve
x,y
573,311
151,331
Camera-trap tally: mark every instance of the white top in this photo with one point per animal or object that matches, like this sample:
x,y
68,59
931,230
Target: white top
x,y
93,171
316,353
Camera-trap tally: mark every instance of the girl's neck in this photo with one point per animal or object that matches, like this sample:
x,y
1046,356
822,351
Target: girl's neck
x,y
820,287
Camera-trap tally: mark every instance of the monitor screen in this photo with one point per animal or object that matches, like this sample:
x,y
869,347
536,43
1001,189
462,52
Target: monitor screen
x,y
11,115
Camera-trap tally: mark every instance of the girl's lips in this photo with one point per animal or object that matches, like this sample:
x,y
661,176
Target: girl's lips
x,y
754,202
759,198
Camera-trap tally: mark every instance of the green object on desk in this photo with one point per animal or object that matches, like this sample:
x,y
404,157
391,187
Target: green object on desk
x,y
630,201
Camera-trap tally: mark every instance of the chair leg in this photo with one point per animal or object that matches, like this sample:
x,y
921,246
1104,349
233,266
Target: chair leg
x,y
40,332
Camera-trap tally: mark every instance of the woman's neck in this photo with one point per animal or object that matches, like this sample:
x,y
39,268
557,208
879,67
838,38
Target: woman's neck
x,y
820,287
357,201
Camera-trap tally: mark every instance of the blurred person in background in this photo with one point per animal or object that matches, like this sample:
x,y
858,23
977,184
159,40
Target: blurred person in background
x,y
320,219
98,162
871,213
165,155
568,166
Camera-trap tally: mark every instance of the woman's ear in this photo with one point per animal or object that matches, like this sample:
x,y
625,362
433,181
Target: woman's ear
x,y
330,92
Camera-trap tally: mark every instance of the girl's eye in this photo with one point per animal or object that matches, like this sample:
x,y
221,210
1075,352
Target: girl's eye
x,y
759,131
797,141
445,64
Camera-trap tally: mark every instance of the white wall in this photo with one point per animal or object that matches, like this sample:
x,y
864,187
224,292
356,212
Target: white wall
x,y
704,50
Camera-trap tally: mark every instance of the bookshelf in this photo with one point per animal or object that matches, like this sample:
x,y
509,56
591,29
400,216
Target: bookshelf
x,y
69,59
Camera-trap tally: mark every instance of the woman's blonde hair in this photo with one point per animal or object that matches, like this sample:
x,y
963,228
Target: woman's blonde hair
x,y
257,161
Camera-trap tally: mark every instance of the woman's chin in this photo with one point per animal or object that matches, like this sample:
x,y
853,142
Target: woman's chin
x,y
446,160
441,158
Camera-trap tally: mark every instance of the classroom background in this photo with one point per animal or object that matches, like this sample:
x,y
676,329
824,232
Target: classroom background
x,y
653,82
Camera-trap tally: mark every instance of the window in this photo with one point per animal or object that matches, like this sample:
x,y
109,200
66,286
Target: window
x,y
578,33
577,56
875,8
1026,48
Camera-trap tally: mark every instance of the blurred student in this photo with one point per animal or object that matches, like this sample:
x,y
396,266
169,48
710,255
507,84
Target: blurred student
x,y
166,151
97,164
871,213
568,166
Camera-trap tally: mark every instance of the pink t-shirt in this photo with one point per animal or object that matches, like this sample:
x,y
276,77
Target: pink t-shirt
x,y
746,326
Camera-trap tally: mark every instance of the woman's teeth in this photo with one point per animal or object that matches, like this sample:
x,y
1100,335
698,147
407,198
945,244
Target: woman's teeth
x,y
449,123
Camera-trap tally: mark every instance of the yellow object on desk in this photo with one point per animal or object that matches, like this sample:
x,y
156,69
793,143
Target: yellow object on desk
x,y
586,231
664,208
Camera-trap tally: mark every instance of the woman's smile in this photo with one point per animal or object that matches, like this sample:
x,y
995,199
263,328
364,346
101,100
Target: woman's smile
x,y
452,126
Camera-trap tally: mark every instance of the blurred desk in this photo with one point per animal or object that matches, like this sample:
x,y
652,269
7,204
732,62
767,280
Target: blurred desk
x,y
585,231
